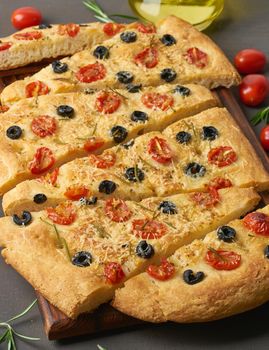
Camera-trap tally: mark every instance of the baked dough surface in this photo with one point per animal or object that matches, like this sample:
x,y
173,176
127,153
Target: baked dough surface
x,y
34,251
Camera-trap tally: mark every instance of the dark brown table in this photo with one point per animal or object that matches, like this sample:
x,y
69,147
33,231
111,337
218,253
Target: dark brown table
x,y
243,24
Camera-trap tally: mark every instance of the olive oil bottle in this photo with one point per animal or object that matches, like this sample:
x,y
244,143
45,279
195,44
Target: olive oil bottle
x,y
200,13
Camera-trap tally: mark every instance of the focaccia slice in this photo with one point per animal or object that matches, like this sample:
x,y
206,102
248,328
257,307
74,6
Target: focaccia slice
x,y
201,153
176,53
33,44
63,127
108,241
224,274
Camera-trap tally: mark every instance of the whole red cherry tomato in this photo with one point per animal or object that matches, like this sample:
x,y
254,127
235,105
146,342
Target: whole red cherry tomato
x,y
264,137
25,17
253,89
250,61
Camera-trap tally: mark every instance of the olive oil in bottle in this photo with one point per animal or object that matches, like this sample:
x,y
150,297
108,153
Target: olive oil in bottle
x,y
200,13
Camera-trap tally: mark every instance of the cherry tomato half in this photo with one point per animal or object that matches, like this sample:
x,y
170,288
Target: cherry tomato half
x,y
250,61
148,229
117,210
105,161
148,57
107,102
76,192
63,214
24,17
91,72
257,222
223,259
114,273
163,272
160,150
253,89
206,199
264,137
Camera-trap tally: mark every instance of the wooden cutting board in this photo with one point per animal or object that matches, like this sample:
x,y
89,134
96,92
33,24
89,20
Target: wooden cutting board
x,y
57,325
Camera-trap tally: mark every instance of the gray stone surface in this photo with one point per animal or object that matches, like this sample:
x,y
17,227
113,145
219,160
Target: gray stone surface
x,y
243,24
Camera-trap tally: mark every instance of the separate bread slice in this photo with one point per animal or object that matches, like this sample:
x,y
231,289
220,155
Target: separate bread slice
x,y
217,293
133,57
156,164
75,124
33,44
109,232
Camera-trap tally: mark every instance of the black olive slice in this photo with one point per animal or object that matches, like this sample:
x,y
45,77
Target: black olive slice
x,y
134,174
14,132
168,75
139,116
24,220
101,52
59,67
266,251
182,90
209,133
226,234
183,137
144,250
195,170
128,37
133,88
168,207
125,77
192,278
107,187
44,26
88,201
65,111
40,198
82,259
168,40
119,133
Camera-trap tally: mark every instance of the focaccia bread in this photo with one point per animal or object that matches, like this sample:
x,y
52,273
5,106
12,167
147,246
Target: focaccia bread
x,y
201,153
78,253
224,274
33,44
176,53
63,127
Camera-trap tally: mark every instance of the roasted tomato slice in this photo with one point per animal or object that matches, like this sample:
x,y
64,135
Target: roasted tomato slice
x,y
34,35
148,57
160,150
117,210
105,161
112,29
63,214
50,178
91,72
219,183
155,100
222,156
4,109
107,102
258,223
146,28
196,57
163,272
148,229
222,259
42,162
5,46
36,88
76,192
44,125
114,273
206,199
70,29
93,144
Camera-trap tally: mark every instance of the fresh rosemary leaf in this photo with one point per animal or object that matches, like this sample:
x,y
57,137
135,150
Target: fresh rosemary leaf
x,y
96,9
262,115
23,312
124,16
100,347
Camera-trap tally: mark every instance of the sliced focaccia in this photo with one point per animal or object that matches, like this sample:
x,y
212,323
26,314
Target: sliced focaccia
x,y
201,153
34,44
176,53
224,274
37,135
78,253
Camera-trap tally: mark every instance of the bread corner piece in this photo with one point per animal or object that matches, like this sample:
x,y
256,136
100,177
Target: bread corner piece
x,y
219,294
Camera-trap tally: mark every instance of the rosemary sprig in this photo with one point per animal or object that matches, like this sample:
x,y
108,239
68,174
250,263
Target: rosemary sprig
x,y
101,15
10,333
100,347
261,115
